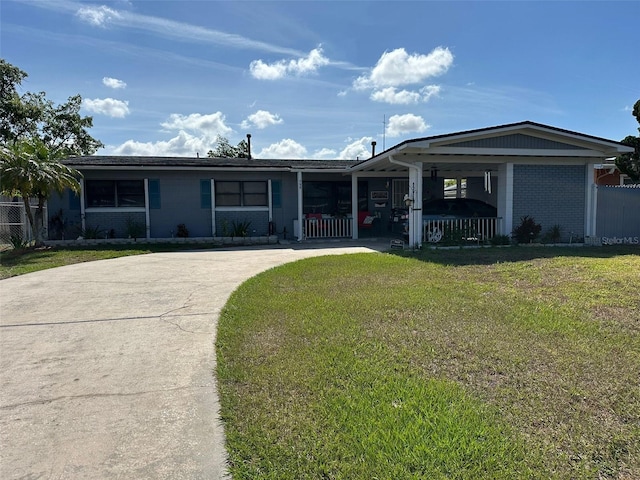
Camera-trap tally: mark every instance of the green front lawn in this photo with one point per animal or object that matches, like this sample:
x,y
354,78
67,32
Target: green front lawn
x,y
493,363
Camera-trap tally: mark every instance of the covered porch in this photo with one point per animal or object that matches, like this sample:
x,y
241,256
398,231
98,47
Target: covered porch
x,y
521,169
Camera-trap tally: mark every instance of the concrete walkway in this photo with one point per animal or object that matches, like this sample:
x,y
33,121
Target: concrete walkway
x,y
106,368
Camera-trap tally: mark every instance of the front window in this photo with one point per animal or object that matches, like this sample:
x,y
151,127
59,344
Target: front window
x,y
241,194
114,193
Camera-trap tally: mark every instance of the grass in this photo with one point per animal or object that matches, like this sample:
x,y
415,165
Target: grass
x,y
489,363
492,363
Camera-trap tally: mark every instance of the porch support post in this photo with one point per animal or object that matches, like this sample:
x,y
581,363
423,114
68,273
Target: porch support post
x,y
505,198
415,192
147,215
415,209
300,219
591,202
354,206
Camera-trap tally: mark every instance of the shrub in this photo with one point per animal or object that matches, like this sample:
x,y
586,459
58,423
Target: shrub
x,y
134,229
182,231
240,229
500,240
527,231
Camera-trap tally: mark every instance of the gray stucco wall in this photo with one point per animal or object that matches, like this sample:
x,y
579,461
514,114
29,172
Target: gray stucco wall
x,y
552,195
180,203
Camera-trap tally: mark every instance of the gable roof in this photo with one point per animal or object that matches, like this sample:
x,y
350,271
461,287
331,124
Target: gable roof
x,y
504,130
524,142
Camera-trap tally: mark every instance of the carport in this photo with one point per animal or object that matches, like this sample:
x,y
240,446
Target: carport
x,y
523,168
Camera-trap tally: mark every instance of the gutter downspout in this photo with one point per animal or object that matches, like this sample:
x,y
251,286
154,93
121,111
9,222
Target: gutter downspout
x,y
415,216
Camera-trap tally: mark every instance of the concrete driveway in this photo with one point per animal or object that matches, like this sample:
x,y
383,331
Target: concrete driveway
x,y
106,368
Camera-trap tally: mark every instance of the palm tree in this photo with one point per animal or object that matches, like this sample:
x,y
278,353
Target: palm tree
x,y
28,169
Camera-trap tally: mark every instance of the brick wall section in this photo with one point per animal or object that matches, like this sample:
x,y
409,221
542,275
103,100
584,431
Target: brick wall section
x,y
259,222
552,195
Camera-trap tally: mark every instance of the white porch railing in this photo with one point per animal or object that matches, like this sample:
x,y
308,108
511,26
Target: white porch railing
x,y
477,229
327,227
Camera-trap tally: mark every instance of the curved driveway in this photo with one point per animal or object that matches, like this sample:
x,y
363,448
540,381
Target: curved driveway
x,y
106,368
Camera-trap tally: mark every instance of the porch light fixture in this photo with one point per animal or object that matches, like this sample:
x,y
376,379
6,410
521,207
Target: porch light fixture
x,y
408,197
434,173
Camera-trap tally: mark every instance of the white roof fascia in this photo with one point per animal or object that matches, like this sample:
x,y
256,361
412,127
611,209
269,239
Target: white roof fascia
x,y
515,152
191,169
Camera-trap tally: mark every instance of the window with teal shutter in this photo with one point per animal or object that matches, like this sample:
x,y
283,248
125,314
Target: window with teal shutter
x,y
276,196
154,194
205,193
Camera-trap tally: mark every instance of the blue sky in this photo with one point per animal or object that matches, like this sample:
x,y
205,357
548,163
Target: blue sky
x,y
311,79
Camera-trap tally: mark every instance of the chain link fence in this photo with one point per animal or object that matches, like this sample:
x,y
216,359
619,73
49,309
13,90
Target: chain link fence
x,y
14,224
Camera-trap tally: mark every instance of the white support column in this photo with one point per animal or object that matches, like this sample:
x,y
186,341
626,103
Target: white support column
x,y
414,229
300,216
417,206
147,213
590,201
354,206
83,220
505,198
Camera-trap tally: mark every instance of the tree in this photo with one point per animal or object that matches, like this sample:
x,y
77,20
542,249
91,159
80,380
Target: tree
x,y
28,170
225,150
629,163
35,135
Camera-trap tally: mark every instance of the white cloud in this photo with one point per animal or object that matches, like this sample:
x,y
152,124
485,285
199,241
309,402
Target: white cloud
x,y
429,91
263,71
324,154
196,134
360,148
395,97
107,106
98,16
183,144
282,68
405,97
284,149
261,119
207,126
113,83
162,27
408,123
397,68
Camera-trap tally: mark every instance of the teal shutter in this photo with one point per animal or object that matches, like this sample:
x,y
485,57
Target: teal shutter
x,y
154,194
276,195
74,201
205,193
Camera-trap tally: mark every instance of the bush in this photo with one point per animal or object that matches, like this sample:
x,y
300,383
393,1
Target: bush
x,y
527,231
134,229
500,240
182,231
240,229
